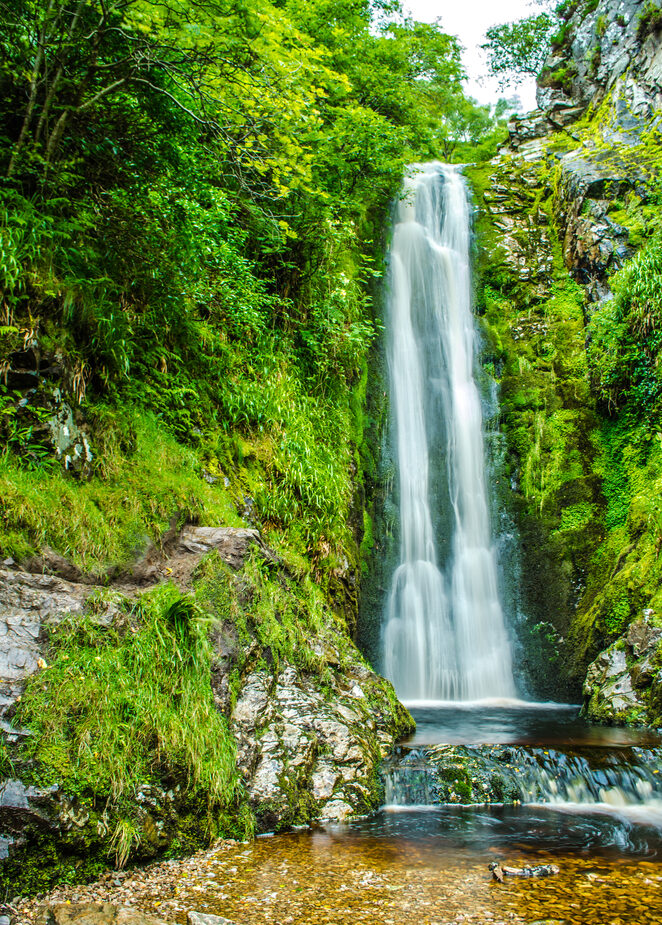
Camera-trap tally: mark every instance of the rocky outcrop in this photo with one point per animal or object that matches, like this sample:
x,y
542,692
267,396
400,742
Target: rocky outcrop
x,y
307,752
610,47
525,130
624,683
32,600
594,245
582,191
514,210
309,744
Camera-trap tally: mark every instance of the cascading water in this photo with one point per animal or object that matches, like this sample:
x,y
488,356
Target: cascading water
x,y
444,636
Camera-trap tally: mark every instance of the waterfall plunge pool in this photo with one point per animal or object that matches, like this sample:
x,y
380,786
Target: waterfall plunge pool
x,y
517,723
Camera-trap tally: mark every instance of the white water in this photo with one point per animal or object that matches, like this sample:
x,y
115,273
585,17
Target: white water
x,y
444,636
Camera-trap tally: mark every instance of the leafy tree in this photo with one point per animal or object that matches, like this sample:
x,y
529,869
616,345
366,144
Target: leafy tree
x,y
518,50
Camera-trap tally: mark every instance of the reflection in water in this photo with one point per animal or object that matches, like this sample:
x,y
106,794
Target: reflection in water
x,y
551,724
465,830
423,868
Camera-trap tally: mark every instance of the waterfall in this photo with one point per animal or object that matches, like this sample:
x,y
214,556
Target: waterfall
x,y
444,636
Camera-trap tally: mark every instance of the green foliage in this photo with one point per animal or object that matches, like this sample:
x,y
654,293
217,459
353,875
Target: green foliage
x,y
113,515
518,50
118,709
190,202
470,132
625,335
650,20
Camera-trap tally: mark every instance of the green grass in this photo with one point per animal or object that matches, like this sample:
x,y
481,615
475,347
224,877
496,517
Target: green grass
x,y
126,503
117,709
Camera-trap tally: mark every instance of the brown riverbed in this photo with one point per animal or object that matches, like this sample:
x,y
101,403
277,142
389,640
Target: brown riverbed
x,y
336,878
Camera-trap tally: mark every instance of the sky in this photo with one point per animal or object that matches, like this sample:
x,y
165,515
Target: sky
x,y
469,19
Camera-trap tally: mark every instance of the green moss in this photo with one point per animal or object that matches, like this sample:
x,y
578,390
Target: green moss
x,y
367,541
111,517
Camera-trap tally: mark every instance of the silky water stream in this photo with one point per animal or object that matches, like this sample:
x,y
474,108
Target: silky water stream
x,y
486,776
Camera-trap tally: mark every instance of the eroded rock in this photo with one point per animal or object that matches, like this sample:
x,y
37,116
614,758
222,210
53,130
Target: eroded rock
x,y
306,756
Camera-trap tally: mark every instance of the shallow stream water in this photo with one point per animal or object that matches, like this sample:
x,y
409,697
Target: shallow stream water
x,y
430,864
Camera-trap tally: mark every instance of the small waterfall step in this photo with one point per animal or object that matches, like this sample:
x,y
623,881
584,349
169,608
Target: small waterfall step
x,y
620,778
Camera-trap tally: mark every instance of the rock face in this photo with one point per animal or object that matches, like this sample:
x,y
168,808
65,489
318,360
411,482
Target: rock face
x,y
568,202
522,226
624,683
594,245
525,130
321,747
610,48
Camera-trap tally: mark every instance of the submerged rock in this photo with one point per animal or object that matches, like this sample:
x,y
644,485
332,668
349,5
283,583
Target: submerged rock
x,y
95,914
202,918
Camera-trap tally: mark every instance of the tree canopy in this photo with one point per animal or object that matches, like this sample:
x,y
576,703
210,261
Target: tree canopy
x,y
518,50
192,195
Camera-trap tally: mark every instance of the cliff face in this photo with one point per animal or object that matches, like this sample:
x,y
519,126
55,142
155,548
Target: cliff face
x,y
610,48
569,215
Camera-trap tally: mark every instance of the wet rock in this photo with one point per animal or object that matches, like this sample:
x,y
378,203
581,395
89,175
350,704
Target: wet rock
x,y
201,918
442,774
95,914
609,689
643,636
523,239
21,806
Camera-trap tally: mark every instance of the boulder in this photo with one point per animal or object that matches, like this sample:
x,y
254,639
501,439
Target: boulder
x,y
203,918
306,756
94,914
